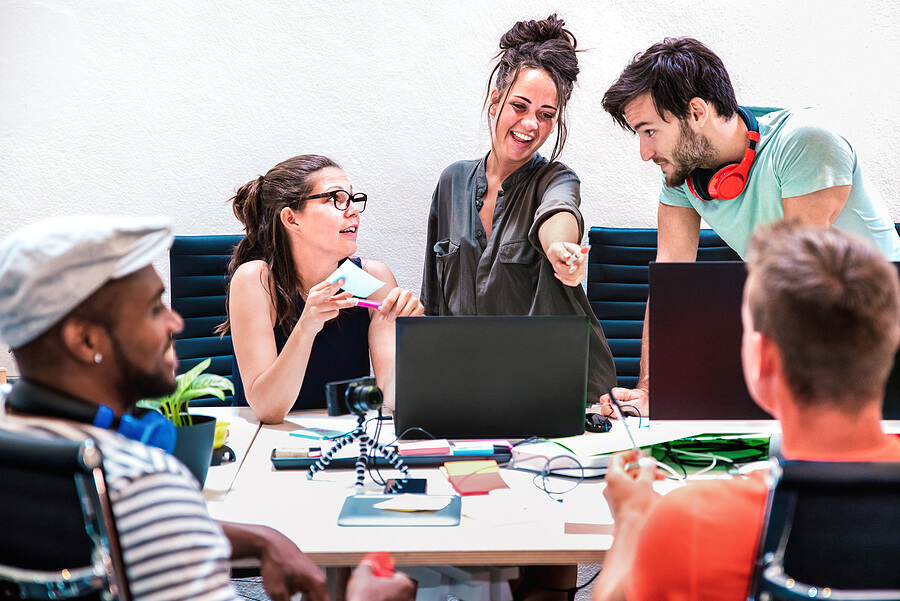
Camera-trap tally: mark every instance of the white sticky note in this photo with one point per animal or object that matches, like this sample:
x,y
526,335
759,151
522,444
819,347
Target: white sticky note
x,y
356,281
413,503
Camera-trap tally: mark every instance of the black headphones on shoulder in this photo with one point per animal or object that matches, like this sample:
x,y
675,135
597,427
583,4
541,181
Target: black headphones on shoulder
x,y
728,181
152,428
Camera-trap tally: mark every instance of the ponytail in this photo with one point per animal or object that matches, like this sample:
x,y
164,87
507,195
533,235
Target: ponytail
x,y
258,205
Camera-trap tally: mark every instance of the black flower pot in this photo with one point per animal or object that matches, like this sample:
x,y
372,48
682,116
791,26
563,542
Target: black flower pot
x,y
194,445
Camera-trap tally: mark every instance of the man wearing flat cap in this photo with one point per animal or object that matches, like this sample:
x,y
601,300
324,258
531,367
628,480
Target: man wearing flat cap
x,y
81,307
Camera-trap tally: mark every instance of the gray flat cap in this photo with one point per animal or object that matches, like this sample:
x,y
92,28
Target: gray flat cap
x,y
50,267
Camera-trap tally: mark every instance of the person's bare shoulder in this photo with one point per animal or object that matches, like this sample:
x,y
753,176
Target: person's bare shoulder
x,y
250,273
378,269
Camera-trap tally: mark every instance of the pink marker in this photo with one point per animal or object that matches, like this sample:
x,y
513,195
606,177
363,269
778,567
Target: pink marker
x,y
361,302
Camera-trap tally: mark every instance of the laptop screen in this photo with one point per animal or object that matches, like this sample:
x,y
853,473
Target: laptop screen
x,y
491,376
695,344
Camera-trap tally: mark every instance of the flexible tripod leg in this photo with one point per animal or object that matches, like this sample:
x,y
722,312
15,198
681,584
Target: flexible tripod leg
x,y
393,458
367,446
364,445
323,461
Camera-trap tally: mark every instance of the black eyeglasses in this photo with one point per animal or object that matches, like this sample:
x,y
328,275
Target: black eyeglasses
x,y
342,199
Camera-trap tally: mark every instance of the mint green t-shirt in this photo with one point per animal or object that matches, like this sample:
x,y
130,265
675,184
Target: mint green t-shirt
x,y
795,156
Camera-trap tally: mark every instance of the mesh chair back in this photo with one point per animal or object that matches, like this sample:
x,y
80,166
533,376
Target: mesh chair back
x,y
60,539
617,287
830,530
198,282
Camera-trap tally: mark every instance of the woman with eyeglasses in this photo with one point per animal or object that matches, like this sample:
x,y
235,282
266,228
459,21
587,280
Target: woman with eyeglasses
x,y
292,330
504,230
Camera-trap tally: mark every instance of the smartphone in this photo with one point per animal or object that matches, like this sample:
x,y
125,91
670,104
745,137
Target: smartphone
x,y
395,486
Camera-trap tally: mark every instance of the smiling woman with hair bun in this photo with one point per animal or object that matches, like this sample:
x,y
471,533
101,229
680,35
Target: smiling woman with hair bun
x,y
504,231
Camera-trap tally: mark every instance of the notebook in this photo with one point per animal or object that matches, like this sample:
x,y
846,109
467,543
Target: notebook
x,y
361,510
491,377
695,344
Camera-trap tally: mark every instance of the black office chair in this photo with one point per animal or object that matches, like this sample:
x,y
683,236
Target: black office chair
x,y
830,533
59,536
617,286
197,270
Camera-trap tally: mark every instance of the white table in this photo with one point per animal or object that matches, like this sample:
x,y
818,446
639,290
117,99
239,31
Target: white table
x,y
519,526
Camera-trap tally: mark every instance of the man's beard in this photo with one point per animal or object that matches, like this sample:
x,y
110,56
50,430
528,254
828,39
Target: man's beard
x,y
693,151
136,383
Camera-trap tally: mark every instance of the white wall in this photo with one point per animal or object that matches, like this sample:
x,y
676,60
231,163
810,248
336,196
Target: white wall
x,y
160,107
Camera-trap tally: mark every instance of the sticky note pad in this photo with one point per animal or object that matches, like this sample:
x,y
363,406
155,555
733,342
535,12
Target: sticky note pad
x,y
474,477
356,281
473,447
424,447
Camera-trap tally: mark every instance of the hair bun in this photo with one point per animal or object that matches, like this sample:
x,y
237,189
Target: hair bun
x,y
537,32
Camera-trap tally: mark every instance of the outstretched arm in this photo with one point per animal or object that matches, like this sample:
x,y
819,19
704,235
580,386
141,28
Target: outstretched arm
x,y
285,570
560,241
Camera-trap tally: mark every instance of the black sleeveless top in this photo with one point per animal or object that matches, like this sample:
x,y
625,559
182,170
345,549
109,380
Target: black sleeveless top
x,y
340,351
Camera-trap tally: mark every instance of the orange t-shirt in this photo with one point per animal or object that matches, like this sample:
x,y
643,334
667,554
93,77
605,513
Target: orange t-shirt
x,y
700,541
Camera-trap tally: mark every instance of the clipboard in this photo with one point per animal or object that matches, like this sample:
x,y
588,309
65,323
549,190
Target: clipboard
x,y
359,510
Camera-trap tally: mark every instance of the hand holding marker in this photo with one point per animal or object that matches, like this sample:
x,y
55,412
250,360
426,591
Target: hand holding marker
x,y
381,562
617,409
358,283
574,256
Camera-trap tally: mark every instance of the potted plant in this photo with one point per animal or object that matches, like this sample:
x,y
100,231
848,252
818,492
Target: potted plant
x,y
194,444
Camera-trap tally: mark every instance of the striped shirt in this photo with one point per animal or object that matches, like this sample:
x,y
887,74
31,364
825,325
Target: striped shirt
x,y
172,548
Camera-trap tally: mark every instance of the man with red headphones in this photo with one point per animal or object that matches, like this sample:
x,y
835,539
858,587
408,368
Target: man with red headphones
x,y
736,167
816,356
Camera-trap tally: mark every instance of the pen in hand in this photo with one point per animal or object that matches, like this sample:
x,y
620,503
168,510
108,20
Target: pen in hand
x,y
620,415
573,256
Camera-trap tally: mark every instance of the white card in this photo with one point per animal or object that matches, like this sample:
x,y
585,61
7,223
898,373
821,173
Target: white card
x,y
356,281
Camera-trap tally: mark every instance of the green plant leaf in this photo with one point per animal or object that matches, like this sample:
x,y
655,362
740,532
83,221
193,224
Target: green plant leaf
x,y
196,393
190,385
213,381
186,379
152,404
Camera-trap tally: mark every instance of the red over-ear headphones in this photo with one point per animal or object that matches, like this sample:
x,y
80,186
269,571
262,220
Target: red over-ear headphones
x,y
727,181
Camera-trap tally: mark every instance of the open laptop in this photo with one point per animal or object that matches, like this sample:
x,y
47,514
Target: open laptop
x,y
491,376
695,344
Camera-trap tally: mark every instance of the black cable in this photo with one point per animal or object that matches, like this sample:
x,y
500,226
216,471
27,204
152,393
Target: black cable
x,y
371,466
530,439
632,411
398,437
570,591
373,469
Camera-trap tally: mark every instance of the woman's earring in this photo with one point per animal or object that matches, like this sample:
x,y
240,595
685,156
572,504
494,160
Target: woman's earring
x,y
98,358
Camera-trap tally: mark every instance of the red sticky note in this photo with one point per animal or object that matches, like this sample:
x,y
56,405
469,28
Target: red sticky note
x,y
424,447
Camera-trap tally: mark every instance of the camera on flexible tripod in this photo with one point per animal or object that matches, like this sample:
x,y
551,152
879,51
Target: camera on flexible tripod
x,y
356,396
